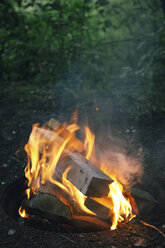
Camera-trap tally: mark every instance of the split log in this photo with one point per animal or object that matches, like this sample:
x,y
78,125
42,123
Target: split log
x,y
86,177
83,175
56,132
61,218
50,204
53,123
63,132
100,210
54,190
46,206
97,208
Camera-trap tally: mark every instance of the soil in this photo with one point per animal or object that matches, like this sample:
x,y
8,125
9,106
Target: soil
x,y
17,118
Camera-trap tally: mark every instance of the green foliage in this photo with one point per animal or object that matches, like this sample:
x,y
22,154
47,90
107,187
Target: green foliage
x,y
84,49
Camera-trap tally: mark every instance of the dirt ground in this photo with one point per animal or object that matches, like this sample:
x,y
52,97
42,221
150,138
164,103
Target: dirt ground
x,y
17,118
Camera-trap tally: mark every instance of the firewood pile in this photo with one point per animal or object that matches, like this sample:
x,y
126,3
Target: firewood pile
x,y
88,181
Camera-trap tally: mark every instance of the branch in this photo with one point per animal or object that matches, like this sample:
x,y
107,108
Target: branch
x,y
146,224
118,41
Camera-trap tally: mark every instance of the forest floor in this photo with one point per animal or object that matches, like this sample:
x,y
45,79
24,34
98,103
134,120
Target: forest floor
x,y
17,116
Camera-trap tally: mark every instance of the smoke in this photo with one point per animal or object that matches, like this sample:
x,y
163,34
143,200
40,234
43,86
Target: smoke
x,y
124,144
127,166
128,170
116,135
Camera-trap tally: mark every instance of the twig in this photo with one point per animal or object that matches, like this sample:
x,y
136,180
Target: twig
x,y
146,224
65,237
16,159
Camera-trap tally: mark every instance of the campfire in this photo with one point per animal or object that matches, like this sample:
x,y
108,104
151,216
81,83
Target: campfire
x,y
67,178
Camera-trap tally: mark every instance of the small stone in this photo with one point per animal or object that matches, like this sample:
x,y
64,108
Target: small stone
x,y
81,235
2,183
142,242
4,165
14,132
11,232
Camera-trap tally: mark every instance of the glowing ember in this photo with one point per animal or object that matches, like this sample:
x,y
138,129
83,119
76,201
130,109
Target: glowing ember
x,y
48,146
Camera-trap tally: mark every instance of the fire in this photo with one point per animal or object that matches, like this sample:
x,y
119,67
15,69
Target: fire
x,y
22,213
76,195
47,147
28,193
121,206
88,143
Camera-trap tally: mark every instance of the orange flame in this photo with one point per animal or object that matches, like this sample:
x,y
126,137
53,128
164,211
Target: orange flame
x,y
89,142
22,213
121,206
44,150
76,195
28,193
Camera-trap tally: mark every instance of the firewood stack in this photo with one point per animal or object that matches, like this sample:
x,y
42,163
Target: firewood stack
x,y
86,177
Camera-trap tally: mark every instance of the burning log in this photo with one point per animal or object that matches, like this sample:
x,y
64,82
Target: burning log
x,y
54,132
64,182
62,209
87,178
54,124
97,208
50,189
75,144
46,207
50,204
